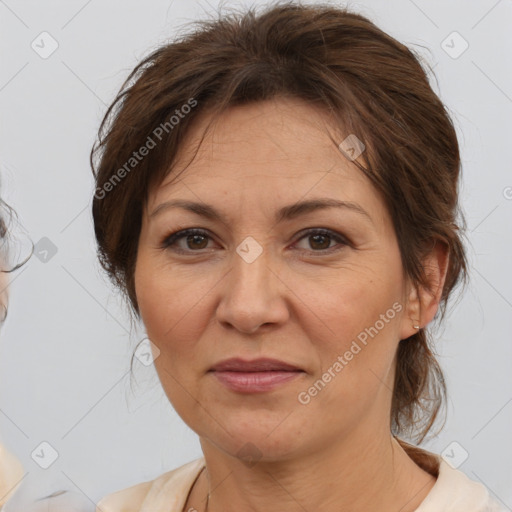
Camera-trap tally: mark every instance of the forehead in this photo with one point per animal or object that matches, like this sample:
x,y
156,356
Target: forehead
x,y
278,133
279,149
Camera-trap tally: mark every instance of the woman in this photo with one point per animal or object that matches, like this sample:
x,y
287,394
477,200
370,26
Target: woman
x,y
23,490
277,197
11,470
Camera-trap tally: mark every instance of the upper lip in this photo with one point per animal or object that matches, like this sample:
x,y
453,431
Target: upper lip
x,y
255,365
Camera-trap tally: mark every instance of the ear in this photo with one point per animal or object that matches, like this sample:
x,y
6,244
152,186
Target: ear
x,y
423,303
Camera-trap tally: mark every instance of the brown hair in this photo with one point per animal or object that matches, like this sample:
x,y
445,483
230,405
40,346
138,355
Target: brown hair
x,y
337,60
12,246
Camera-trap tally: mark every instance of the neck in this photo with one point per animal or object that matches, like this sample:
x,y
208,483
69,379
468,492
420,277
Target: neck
x,y
358,473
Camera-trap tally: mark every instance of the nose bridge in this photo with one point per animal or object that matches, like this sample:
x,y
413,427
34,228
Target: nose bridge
x,y
251,264
251,270
250,297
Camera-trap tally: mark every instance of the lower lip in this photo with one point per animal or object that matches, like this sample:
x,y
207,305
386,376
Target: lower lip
x,y
255,382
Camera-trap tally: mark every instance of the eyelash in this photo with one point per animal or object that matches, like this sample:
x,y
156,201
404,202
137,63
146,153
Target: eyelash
x,y
171,240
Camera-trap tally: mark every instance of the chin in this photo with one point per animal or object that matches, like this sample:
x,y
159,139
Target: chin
x,y
253,437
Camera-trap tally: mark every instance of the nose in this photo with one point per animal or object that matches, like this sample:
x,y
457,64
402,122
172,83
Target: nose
x,y
253,295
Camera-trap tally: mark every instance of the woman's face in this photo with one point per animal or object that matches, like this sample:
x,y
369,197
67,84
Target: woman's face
x,y
256,284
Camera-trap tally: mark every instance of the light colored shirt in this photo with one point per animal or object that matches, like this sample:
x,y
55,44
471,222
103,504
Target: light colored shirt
x,y
452,492
47,492
11,474
30,491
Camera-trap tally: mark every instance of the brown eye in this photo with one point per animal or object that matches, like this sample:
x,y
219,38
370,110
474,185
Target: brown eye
x,y
320,240
195,239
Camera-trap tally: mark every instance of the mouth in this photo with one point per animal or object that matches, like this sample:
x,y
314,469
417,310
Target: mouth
x,y
256,376
256,365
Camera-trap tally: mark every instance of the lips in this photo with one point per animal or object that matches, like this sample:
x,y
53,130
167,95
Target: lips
x,y
256,376
256,365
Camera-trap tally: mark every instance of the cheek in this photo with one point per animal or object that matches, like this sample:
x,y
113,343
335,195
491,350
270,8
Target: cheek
x,y
170,300
355,301
360,315
174,304
172,311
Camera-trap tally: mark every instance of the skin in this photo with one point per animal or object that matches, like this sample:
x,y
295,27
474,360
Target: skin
x,y
296,302
10,467
4,288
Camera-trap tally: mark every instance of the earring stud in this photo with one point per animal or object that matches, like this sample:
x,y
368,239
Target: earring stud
x,y
416,326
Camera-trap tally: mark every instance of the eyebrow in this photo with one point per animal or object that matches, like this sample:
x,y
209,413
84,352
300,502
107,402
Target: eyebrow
x,y
285,213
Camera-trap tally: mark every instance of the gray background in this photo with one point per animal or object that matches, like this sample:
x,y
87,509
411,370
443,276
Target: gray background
x,y
66,346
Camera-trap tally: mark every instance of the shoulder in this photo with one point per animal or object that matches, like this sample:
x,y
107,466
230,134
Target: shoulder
x,y
454,491
11,473
168,490
127,500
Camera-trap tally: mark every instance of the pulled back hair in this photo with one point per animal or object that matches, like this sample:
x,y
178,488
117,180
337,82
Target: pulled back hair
x,y
338,61
13,253
10,253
